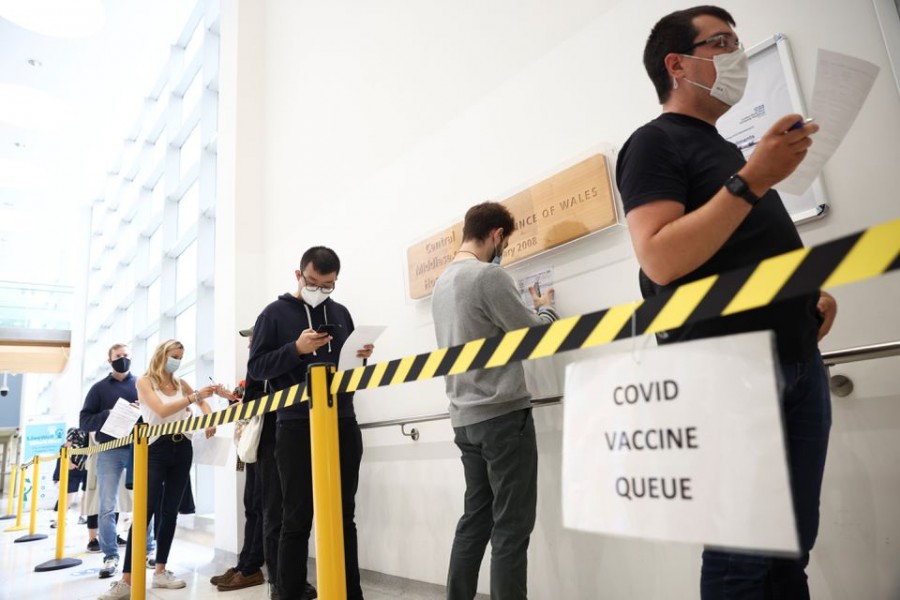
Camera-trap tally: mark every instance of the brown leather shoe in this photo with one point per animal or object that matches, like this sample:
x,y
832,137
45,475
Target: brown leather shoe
x,y
226,576
240,581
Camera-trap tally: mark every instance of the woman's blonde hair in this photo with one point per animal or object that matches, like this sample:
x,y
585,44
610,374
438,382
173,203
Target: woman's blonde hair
x,y
157,369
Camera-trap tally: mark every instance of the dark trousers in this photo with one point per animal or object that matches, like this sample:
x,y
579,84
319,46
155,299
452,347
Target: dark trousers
x,y
168,470
499,458
806,404
270,488
294,466
251,557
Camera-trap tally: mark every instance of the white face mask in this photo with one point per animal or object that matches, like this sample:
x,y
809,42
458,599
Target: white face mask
x,y
731,76
313,298
172,364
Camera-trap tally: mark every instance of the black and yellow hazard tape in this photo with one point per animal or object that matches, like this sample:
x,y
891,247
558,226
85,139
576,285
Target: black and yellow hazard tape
x,y
849,259
846,260
116,443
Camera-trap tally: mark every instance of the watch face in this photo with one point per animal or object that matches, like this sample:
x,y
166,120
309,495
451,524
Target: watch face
x,y
737,186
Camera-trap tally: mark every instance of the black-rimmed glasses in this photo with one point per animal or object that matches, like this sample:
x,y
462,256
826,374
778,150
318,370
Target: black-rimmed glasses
x,y
316,288
720,40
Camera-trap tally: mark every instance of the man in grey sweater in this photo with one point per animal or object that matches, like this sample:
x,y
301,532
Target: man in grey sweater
x,y
490,409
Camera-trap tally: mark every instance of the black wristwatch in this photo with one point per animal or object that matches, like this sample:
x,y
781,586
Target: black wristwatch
x,y
738,186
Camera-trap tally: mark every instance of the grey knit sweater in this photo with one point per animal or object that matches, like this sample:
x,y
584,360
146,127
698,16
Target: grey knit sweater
x,y
472,300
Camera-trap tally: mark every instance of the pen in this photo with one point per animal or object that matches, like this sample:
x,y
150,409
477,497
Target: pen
x,y
800,123
797,125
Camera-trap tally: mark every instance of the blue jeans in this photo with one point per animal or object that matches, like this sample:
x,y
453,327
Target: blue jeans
x,y
110,466
499,458
806,406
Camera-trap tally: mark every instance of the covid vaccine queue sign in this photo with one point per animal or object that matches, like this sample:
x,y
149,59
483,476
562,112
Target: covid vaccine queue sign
x,y
679,443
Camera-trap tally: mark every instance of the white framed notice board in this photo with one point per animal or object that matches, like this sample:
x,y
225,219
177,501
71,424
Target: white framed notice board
x,y
772,92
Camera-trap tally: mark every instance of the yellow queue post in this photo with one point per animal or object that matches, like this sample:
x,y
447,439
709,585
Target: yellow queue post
x,y
21,499
61,562
139,518
326,477
12,492
32,522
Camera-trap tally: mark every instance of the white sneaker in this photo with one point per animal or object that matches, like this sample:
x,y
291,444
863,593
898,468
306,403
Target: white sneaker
x,y
117,591
167,580
110,566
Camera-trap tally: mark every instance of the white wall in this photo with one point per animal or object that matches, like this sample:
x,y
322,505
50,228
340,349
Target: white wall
x,y
382,122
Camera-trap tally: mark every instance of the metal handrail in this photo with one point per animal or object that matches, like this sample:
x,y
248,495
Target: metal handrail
x,y
835,357
858,353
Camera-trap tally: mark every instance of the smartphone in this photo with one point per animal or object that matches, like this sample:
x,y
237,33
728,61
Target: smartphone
x,y
328,328
537,288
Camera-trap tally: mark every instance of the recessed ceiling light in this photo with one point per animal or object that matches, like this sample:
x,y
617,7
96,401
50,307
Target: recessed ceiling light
x,y
57,18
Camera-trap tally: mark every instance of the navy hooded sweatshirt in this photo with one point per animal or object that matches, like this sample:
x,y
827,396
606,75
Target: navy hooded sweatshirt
x,y
274,357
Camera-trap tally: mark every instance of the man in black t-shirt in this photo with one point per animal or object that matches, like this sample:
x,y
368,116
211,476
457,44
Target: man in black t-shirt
x,y
696,207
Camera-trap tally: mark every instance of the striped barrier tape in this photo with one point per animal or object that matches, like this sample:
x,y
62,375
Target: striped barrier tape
x,y
857,257
116,443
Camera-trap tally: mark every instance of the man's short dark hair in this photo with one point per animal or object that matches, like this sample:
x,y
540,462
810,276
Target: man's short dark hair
x,y
674,33
483,218
324,260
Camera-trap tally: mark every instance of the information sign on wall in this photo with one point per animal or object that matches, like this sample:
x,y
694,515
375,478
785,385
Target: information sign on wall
x,y
559,209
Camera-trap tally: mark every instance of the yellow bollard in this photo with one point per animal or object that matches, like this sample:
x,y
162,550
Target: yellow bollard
x,y
12,492
32,536
63,504
139,515
18,526
326,475
59,562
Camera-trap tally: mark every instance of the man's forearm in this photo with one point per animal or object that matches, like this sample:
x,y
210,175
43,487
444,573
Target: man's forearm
x,y
684,244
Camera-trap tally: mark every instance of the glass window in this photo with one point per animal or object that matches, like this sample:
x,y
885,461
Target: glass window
x,y
159,149
188,208
152,343
192,95
186,271
126,324
186,330
156,248
190,151
153,300
193,45
158,198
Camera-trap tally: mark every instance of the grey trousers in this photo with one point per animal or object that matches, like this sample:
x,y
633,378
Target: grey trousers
x,y
499,459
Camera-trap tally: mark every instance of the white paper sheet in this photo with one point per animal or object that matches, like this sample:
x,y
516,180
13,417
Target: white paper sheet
x,y
213,451
121,419
543,281
362,335
842,85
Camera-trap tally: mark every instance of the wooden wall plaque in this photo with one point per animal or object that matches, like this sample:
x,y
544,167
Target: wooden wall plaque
x,y
559,209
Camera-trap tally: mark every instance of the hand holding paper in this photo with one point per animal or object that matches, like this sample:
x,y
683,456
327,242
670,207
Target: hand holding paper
x,y
842,86
121,419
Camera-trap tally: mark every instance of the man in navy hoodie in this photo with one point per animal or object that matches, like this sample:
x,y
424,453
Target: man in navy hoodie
x,y
98,403
285,343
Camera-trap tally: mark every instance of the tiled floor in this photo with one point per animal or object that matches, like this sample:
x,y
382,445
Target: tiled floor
x,y
192,559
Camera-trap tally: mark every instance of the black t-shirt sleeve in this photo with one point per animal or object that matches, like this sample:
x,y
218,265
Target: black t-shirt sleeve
x,y
650,168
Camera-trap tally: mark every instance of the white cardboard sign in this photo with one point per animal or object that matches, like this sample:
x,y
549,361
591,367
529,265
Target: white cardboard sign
x,y
679,443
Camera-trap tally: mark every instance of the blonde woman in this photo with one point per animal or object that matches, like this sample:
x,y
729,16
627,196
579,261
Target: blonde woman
x,y
165,398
